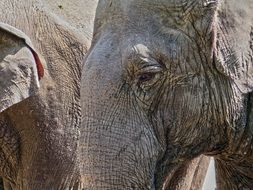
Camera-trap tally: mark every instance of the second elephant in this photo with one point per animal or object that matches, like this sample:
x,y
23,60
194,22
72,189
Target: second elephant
x,y
39,134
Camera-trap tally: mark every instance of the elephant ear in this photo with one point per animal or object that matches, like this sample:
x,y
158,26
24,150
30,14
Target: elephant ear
x,y
20,67
233,47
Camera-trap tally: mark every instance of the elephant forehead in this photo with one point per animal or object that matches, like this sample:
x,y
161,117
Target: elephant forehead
x,y
123,6
167,3
160,14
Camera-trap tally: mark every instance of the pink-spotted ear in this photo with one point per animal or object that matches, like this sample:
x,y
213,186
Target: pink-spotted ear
x,y
37,58
21,67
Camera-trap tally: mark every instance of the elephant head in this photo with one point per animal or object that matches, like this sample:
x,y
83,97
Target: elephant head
x,y
20,67
164,82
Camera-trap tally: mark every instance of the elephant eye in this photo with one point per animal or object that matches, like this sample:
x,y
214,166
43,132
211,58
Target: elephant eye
x,y
147,75
144,77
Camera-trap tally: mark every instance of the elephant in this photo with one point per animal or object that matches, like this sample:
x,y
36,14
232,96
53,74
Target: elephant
x,y
40,114
39,127
163,83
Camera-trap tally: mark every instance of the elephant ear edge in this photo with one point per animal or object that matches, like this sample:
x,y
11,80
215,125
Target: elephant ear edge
x,y
21,67
39,60
234,43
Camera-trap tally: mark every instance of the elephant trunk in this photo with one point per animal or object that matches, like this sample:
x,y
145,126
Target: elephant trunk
x,y
118,148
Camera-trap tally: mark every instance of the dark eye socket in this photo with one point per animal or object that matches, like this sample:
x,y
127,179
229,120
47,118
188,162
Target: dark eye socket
x,y
144,77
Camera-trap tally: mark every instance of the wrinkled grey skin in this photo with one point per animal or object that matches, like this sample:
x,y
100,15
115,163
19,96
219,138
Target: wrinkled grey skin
x,y
39,135
164,82
19,79
19,72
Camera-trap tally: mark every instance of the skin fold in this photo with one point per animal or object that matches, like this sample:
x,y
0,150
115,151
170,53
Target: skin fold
x,y
39,136
163,83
